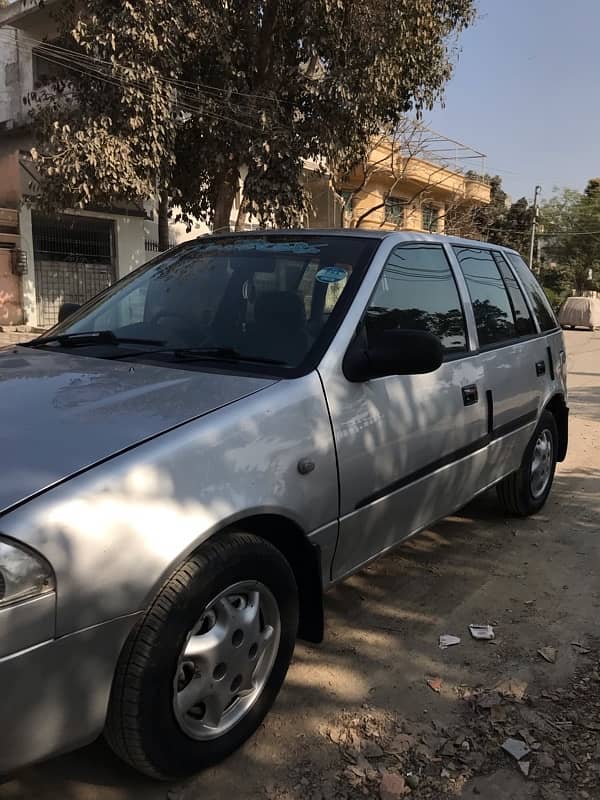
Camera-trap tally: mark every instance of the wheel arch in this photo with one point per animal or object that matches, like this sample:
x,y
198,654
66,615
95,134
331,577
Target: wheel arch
x,y
304,559
559,409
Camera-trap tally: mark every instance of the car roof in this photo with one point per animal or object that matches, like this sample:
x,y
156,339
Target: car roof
x,y
354,232
360,233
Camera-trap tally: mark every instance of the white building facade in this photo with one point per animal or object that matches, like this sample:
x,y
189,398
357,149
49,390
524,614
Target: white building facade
x,y
45,261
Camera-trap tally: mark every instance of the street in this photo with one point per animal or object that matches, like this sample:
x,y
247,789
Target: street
x,y
345,703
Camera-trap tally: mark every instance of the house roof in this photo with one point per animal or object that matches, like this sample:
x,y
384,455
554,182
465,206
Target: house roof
x,y
16,12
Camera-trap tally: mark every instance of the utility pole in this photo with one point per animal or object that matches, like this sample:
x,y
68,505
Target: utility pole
x,y
536,194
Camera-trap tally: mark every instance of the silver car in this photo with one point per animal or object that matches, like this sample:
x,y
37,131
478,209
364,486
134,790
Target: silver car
x,y
196,454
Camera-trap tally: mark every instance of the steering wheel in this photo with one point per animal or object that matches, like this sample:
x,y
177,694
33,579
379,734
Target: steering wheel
x,y
179,329
164,315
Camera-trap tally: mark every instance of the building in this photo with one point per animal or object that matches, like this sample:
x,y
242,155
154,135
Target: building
x,y
45,261
415,180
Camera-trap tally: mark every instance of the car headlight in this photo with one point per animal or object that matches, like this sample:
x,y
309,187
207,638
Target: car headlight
x,y
23,574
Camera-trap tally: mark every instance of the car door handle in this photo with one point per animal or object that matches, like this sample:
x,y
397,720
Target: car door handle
x,y
470,395
540,368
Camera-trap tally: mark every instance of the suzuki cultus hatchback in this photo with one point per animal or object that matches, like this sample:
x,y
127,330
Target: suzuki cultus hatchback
x,y
196,454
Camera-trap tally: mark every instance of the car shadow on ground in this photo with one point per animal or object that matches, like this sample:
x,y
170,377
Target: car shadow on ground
x,y
585,402
381,641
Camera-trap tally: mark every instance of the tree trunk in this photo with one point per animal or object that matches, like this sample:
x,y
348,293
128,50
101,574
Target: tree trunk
x,y
224,202
163,221
241,215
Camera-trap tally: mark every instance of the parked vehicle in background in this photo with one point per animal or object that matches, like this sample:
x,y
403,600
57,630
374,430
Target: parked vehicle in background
x,y
580,312
201,450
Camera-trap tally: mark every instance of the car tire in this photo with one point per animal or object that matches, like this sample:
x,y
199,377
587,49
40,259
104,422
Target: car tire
x,y
525,491
234,602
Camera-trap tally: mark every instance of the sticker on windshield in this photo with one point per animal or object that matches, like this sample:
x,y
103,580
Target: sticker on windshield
x,y
331,275
275,247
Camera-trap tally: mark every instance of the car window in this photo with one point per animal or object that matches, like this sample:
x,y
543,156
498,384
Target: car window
x,y
541,306
417,291
493,313
265,297
523,318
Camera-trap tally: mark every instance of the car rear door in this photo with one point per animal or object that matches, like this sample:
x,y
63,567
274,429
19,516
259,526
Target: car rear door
x,y
512,354
552,379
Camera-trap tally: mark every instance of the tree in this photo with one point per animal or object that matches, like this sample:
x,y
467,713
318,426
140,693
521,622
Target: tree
x,y
106,129
571,239
189,95
500,222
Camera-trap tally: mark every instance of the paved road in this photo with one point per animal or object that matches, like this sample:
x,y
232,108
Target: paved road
x,y
13,337
536,579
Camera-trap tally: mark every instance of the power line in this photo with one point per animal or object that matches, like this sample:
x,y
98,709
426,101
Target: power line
x,y
68,57
74,56
183,102
570,233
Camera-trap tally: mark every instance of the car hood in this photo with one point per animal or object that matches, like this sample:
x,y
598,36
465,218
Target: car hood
x,y
61,413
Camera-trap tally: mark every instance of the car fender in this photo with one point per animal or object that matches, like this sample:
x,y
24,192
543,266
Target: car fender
x,y
114,533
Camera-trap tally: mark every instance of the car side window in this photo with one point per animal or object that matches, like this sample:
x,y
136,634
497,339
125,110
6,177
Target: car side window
x,y
417,291
523,318
493,313
541,306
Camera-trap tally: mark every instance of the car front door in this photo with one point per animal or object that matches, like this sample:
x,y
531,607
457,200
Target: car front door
x,y
410,448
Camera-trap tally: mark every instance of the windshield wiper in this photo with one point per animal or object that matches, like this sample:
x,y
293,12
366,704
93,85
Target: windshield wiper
x,y
179,353
90,337
223,354
207,354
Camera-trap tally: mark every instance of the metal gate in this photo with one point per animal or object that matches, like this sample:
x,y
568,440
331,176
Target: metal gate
x,y
74,260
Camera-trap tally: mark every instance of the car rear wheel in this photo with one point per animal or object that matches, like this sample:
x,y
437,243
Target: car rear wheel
x,y
203,667
526,490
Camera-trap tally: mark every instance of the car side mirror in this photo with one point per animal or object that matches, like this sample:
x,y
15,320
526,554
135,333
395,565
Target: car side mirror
x,y
66,309
393,352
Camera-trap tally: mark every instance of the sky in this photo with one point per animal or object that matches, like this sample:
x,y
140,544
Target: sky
x,y
526,92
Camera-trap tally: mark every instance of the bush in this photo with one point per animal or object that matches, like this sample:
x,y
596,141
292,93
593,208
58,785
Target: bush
x,y
556,297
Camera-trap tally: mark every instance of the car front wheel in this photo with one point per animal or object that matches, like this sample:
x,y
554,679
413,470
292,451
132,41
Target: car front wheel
x,y
204,666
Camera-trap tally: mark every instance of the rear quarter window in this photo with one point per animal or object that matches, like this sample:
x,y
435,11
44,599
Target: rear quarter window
x,y
539,301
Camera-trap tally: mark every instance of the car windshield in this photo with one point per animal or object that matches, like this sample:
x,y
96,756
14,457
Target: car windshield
x,y
271,299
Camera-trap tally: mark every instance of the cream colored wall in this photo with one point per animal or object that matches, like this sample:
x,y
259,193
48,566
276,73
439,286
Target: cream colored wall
x,y
10,291
415,180
28,299
370,203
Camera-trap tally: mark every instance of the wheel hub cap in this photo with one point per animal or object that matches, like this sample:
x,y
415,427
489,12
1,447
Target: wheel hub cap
x,y
226,660
541,464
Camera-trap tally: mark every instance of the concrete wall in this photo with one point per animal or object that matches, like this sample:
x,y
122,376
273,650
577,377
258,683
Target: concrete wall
x,y
129,239
178,231
28,299
9,76
129,246
10,291
16,77
10,179
326,210
369,202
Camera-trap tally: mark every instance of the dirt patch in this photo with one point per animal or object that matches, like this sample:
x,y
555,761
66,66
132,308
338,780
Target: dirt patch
x,y
548,741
